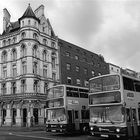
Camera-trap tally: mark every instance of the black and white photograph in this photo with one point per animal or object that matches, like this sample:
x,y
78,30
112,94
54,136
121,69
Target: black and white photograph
x,y
69,69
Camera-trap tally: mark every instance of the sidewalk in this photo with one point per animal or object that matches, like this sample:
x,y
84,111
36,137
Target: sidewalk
x,y
22,129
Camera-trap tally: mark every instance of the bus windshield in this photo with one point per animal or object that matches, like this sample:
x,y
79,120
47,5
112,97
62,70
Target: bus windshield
x,y
106,114
55,92
58,115
105,83
55,103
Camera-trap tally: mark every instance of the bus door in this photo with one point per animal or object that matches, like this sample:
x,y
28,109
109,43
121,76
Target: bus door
x,y
139,120
71,120
76,120
134,122
132,127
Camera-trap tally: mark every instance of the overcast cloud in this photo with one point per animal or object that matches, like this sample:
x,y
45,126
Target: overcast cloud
x,y
107,27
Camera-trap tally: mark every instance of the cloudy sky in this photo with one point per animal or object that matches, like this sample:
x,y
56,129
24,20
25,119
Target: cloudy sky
x,y
107,27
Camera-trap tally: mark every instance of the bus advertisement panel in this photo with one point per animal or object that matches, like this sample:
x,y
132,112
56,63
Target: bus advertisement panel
x,y
67,109
114,106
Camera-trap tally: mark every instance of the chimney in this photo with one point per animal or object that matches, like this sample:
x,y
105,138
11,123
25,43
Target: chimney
x,y
39,11
6,18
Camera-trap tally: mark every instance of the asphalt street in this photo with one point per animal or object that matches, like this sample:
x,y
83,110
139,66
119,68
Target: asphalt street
x,y
41,135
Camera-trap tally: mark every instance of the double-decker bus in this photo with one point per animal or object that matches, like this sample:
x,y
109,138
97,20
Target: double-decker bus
x,y
114,104
67,109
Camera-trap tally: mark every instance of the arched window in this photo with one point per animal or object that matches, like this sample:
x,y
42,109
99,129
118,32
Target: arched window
x,y
4,56
45,87
23,34
29,22
24,67
23,50
23,85
35,65
4,72
22,23
4,42
35,23
44,55
14,54
9,41
44,41
35,51
54,76
14,39
3,88
43,27
53,44
53,59
13,87
36,86
14,70
45,71
35,36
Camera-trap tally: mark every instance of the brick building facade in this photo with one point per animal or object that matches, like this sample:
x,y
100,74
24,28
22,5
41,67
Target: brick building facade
x,y
78,65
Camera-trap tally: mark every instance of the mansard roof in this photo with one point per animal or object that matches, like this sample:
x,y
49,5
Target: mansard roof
x,y
13,26
29,14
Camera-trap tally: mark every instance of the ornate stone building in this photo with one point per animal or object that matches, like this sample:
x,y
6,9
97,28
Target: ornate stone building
x,y
28,66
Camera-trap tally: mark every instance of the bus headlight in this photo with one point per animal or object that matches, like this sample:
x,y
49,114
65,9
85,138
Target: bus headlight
x,y
91,128
117,130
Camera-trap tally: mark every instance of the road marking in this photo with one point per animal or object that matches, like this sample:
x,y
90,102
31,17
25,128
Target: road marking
x,y
32,136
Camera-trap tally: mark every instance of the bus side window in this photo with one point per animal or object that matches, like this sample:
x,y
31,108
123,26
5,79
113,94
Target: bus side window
x,y
128,114
76,114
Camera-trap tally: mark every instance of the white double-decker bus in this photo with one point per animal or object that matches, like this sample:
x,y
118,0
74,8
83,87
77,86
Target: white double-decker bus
x,y
114,104
67,109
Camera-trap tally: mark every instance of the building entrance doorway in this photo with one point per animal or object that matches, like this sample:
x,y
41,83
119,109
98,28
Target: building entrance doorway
x,y
3,116
35,114
14,113
24,117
